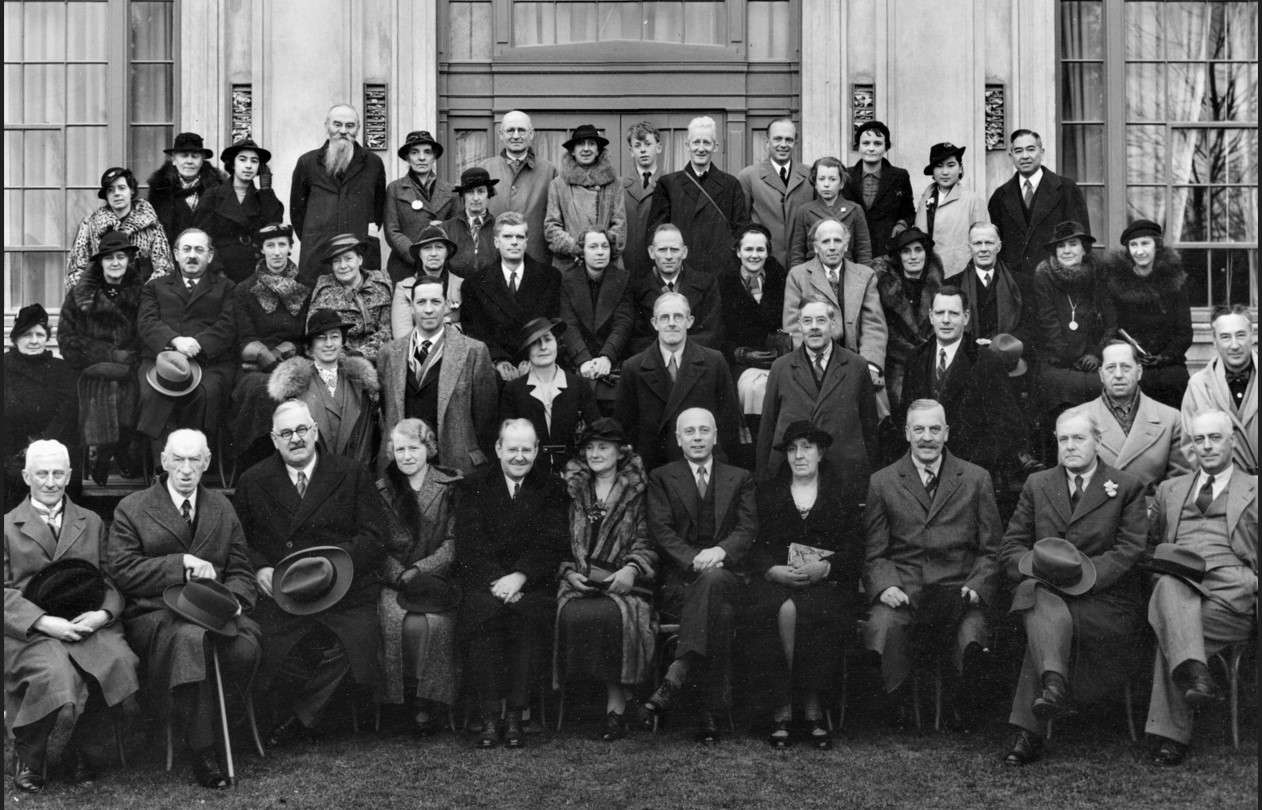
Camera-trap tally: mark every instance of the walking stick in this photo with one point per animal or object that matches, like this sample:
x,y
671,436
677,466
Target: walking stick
x,y
223,717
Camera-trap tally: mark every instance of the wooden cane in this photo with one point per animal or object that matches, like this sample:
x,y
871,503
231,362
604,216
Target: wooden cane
x,y
223,717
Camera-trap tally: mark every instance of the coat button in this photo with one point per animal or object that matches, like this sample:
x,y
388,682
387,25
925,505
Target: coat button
x,y
289,545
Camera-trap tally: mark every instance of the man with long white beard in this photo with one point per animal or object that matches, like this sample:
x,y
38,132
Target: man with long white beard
x,y
338,188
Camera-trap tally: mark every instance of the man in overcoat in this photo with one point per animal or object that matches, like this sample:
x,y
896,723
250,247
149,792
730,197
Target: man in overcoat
x,y
77,657
1207,595
167,535
297,500
450,383
645,144
775,186
669,272
525,178
1072,545
338,188
1229,383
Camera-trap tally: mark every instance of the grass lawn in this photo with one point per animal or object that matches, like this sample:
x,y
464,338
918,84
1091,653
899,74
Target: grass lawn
x,y
1089,764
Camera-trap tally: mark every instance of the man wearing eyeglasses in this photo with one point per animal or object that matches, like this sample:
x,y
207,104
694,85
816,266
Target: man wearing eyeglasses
x,y
302,499
189,336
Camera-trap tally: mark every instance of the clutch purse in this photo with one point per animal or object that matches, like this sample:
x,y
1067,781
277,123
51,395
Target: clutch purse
x,y
801,554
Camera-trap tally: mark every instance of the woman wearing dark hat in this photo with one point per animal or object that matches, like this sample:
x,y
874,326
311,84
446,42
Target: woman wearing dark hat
x,y
121,212
418,597
809,553
360,297
473,228
97,337
947,208
884,190
907,278
828,176
39,396
585,194
431,257
605,627
233,213
340,390
271,307
1147,285
414,201
178,184
1076,319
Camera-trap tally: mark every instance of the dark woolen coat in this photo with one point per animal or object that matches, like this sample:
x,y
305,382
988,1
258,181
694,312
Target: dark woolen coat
x,y
895,202
405,220
170,200
603,330
495,316
321,206
708,231
1153,310
1024,238
262,316
574,408
232,224
472,255
1060,345
39,400
340,508
746,322
907,321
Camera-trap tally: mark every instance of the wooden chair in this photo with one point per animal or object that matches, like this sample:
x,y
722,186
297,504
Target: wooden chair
x,y
1229,659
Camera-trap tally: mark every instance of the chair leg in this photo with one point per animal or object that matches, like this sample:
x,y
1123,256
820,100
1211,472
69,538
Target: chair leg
x,y
118,736
937,696
170,742
915,698
376,716
845,693
561,709
1130,714
451,719
1236,655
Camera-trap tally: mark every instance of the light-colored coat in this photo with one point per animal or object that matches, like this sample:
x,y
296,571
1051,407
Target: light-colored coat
x,y
1207,390
1152,451
1242,514
569,213
771,203
862,326
958,209
525,192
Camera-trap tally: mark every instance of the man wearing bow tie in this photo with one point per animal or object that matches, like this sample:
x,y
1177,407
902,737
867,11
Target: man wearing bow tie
x,y
1229,384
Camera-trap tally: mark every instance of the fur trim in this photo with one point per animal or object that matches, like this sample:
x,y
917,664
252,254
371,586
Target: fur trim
x,y
600,173
142,216
293,376
361,373
89,297
1083,278
165,183
1167,277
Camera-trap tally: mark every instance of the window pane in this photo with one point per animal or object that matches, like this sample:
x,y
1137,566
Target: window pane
x,y
151,30
1083,152
1233,215
1185,30
1196,264
1189,157
80,203
704,23
36,277
12,218
1145,92
146,148
86,155
1095,205
13,30
1145,154
1143,30
44,94
1234,31
1082,92
1146,202
1081,30
576,22
472,146
43,158
12,158
85,24
151,93
1242,156
664,21
1230,271
1233,95
44,32
86,98
1190,207
1187,88
13,94
42,218
770,30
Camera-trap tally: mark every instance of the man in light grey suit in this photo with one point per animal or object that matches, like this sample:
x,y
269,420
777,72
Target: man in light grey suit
x,y
437,374
777,185
645,144
1137,433
1212,521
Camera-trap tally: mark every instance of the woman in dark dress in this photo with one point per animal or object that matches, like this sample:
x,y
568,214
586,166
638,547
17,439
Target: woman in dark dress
x,y
806,566
1146,284
907,278
271,308
605,626
97,336
884,190
233,212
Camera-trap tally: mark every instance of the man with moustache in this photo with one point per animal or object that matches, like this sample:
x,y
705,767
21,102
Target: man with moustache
x,y
1229,383
645,145
777,185
525,178
670,273
177,185
338,188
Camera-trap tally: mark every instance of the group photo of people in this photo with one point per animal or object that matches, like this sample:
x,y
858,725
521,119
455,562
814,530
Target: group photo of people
x,y
681,449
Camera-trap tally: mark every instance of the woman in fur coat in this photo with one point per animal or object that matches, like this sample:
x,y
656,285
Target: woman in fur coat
x,y
906,279
341,391
360,297
178,185
1146,283
121,212
585,195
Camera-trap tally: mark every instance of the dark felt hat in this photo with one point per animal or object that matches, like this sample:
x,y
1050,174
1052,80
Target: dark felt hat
x,y
173,374
420,137
940,152
605,429
535,329
584,132
189,142
1009,348
312,580
322,320
1058,563
274,230
67,588
336,245
1178,561
1068,230
206,603
113,241
230,153
28,317
911,236
476,176
1141,227
431,233
803,429
752,227
428,593
113,173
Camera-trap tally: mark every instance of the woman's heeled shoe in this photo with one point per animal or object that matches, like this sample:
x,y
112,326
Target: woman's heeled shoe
x,y
615,727
820,736
780,738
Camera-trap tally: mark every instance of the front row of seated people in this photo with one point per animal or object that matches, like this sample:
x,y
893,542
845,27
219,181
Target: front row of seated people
x,y
312,581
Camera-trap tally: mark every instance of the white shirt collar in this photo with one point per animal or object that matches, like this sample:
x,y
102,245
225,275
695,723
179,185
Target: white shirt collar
x,y
308,470
510,483
1033,179
418,338
1221,480
936,466
178,499
950,350
827,353
1086,476
508,272
666,354
708,465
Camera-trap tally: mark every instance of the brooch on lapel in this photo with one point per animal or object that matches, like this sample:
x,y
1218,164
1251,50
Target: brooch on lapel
x,y
1110,489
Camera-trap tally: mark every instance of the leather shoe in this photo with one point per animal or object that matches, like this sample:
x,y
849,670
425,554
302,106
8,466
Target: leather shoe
x,y
658,703
490,735
1201,691
512,730
207,771
79,769
287,732
27,777
820,736
779,738
615,727
1025,749
101,467
1054,702
1170,753
708,731
428,727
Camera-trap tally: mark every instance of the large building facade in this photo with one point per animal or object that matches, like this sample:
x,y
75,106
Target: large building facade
x,y
1152,107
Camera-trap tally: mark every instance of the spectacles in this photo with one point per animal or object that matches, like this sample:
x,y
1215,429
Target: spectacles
x,y
287,434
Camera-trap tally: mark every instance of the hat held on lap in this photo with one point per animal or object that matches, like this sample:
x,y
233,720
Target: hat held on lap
x,y
174,374
312,580
67,588
206,603
1058,563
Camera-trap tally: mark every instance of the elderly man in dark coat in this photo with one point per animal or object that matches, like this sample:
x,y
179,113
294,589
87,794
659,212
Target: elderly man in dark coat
x,y
316,530
338,188
164,536
1079,596
62,645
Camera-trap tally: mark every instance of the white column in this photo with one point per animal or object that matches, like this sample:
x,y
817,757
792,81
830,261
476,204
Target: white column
x,y
824,90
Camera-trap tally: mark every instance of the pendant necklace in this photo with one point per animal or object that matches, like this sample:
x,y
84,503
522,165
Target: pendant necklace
x,y
1073,314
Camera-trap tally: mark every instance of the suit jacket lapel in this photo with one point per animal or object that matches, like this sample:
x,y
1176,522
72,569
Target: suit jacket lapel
x,y
455,350
819,281
1095,494
1046,198
611,291
1056,488
691,367
1145,430
207,524
1179,492
884,184
323,481
635,187
834,374
695,187
36,530
686,486
1238,497
74,522
164,512
1012,199
724,491
656,377
576,283
948,482
913,483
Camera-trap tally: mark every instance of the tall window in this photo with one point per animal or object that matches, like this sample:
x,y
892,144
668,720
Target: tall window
x,y
1159,111
75,104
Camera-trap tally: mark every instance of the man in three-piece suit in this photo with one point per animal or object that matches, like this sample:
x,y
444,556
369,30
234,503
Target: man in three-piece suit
x,y
1138,434
883,189
777,185
827,385
1079,596
508,294
703,519
669,273
437,374
297,500
191,313
668,377
645,145
1229,383
933,534
1212,600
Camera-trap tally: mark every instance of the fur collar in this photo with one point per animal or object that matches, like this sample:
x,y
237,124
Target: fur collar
x,y
165,182
142,216
292,377
630,481
89,292
329,294
394,482
1125,286
1083,278
600,173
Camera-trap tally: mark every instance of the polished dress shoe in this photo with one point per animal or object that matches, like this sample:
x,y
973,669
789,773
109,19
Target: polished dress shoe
x,y
489,737
615,727
101,467
78,768
1054,701
427,727
286,733
513,734
820,736
1200,691
779,737
1170,753
708,731
27,777
658,703
1025,749
207,771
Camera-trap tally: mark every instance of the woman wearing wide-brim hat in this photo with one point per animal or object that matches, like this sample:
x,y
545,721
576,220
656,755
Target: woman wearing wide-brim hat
x,y
473,226
233,212
414,201
557,402
907,278
1075,319
121,211
948,207
1148,287
586,194
432,253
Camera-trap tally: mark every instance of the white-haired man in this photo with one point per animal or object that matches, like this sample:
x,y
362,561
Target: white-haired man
x,y
525,178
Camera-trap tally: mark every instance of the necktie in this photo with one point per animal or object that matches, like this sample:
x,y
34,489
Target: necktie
x,y
701,482
647,176
190,283
942,364
833,278
49,516
754,285
1076,495
422,354
186,511
1206,496
516,489
672,368
784,175
670,286
475,225
931,482
301,486
819,365
512,282
1028,197
986,280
